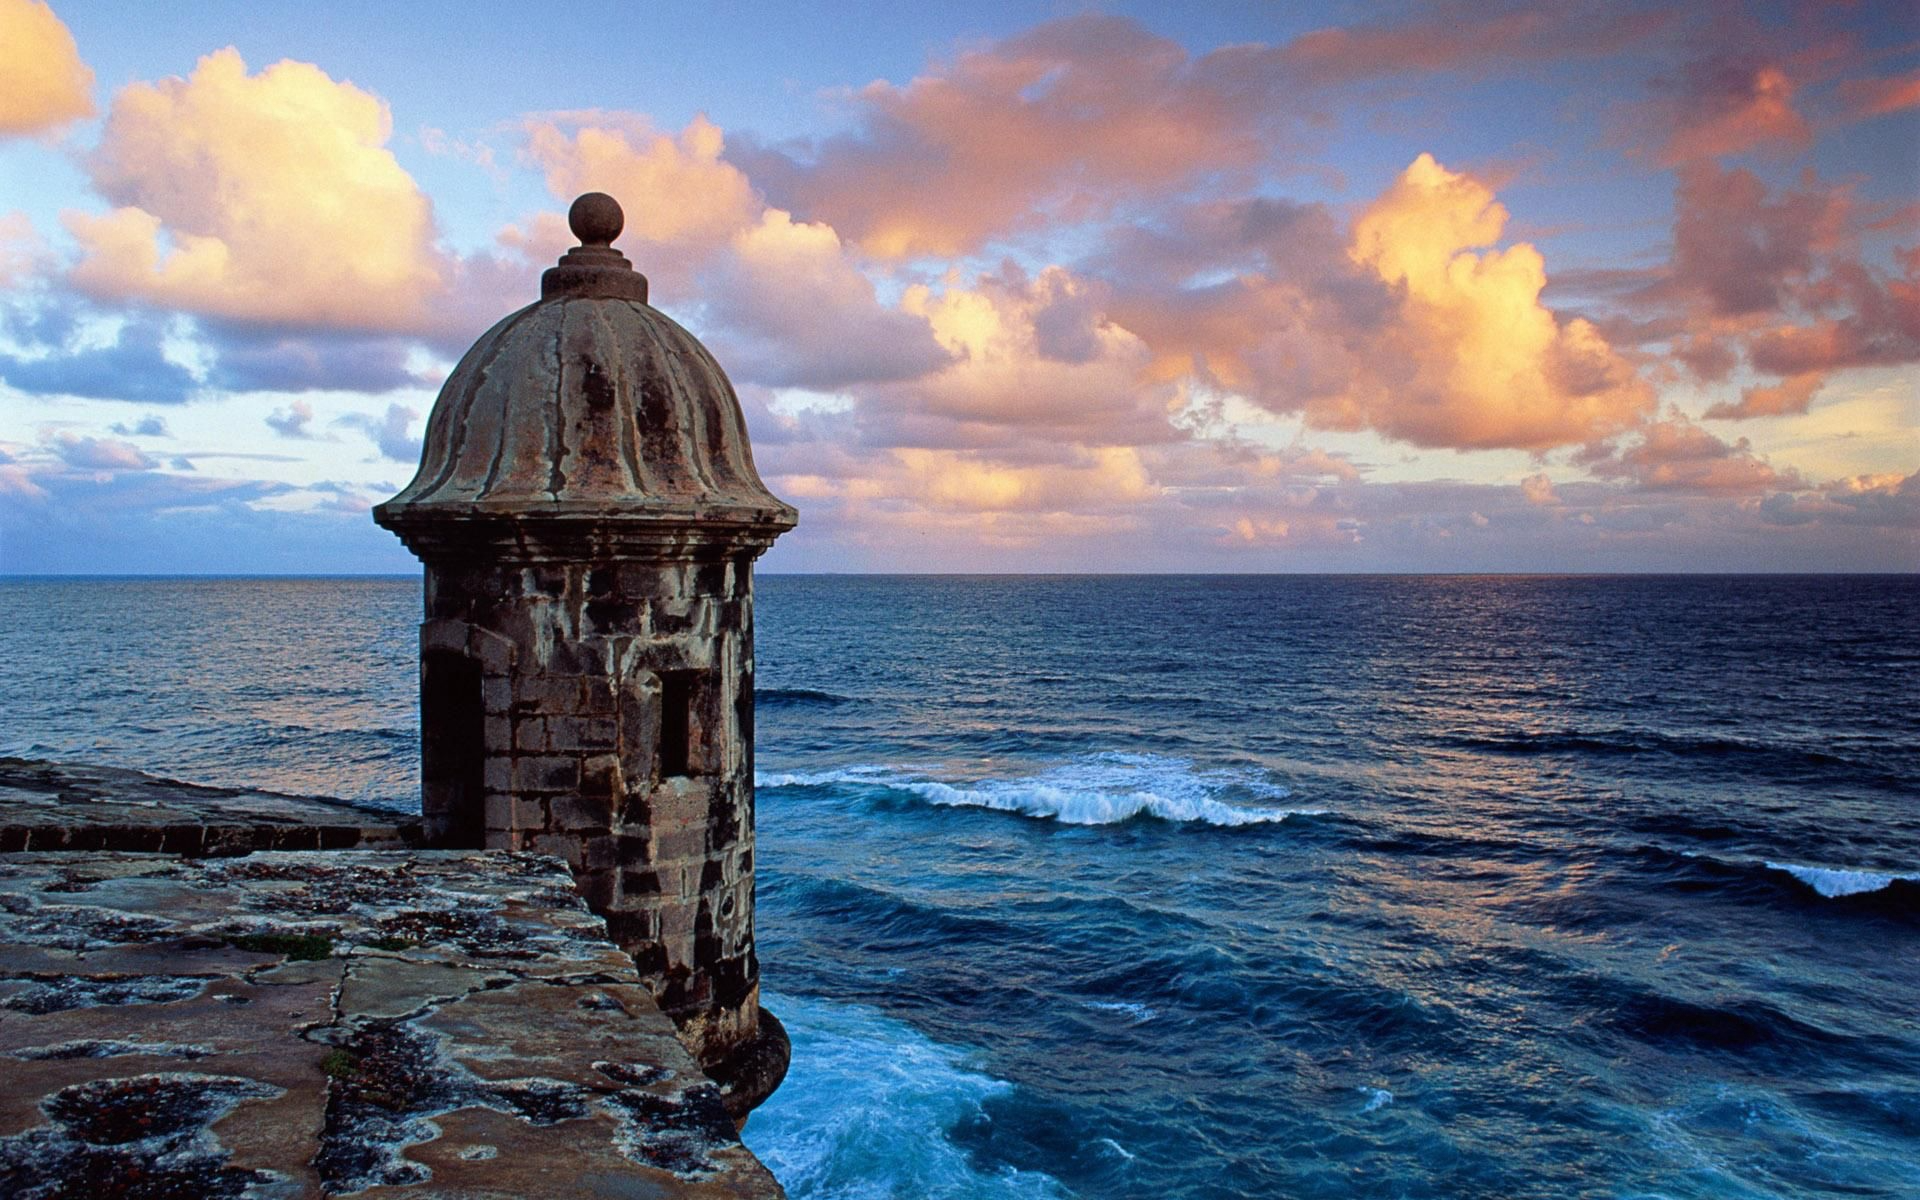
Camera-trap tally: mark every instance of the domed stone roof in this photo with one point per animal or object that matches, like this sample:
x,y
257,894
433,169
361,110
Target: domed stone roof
x,y
590,405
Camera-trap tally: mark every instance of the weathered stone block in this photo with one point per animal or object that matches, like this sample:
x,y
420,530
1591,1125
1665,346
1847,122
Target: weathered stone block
x,y
558,845
546,773
575,813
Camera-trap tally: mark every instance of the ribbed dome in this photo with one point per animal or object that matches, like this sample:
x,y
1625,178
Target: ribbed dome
x,y
589,403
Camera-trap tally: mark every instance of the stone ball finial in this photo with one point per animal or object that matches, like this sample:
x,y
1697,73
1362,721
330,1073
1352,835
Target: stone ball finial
x,y
596,219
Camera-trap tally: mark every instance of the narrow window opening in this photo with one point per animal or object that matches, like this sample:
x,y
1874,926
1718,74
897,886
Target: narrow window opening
x,y
677,725
452,750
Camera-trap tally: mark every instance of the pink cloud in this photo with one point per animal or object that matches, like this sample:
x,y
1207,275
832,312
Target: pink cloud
x,y
1791,395
98,454
1053,124
1876,97
1742,249
1728,106
1675,455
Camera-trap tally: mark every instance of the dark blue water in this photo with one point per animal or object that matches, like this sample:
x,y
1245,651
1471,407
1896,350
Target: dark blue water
x,y
1208,887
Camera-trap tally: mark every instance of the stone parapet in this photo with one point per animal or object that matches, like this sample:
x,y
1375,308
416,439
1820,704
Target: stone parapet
x,y
68,806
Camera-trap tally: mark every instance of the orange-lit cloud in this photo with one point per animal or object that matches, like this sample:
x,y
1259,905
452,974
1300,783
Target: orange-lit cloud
x,y
1488,364
1411,323
1021,371
1538,489
43,82
682,200
787,300
264,197
1793,394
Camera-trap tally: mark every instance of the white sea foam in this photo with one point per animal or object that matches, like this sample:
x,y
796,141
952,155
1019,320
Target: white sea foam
x,y
1094,789
867,1109
1140,1013
1377,1098
1833,883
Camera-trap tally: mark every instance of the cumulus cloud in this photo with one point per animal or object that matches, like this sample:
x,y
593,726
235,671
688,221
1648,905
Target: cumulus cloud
x,y
1487,364
267,197
1500,369
152,425
1538,489
683,201
1002,389
255,360
794,311
292,421
133,367
388,431
1777,277
1410,322
47,84
1743,249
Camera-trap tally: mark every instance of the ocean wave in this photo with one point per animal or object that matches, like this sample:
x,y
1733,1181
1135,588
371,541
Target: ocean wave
x,y
1141,1013
1094,789
1891,893
1637,741
1833,882
780,696
869,1108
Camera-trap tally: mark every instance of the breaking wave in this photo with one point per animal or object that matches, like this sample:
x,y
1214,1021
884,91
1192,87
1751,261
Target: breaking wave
x,y
1834,883
1094,789
869,1110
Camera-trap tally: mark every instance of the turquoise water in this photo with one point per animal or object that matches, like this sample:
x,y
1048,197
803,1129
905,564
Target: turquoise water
x,y
1210,887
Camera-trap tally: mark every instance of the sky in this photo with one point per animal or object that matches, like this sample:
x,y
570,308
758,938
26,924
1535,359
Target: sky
x,y
1587,287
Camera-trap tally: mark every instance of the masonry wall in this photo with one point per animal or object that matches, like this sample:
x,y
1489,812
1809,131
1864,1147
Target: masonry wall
x,y
613,729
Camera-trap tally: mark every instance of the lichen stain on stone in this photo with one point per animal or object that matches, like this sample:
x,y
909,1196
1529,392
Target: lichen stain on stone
x,y
146,1136
42,996
396,1077
675,1133
111,1048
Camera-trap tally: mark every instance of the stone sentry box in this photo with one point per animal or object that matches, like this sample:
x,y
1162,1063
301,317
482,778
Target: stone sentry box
x,y
588,514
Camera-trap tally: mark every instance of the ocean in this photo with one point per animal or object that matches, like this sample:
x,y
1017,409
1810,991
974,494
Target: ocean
x,y
1195,887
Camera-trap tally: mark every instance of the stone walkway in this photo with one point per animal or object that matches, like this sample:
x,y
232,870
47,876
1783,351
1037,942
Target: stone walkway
x,y
372,1023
